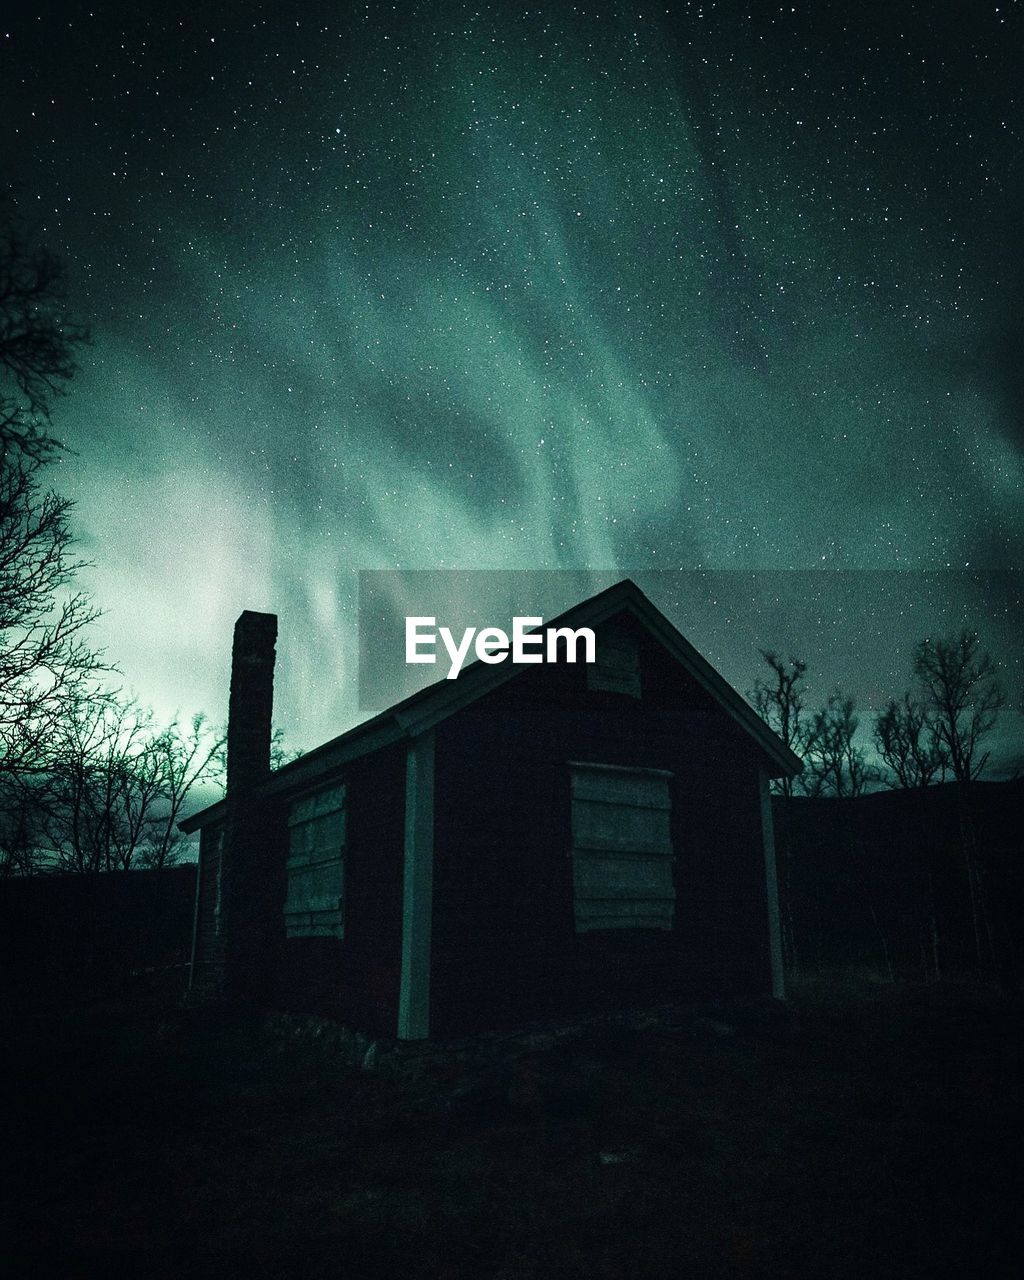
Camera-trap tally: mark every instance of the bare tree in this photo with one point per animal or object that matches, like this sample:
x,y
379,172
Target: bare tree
x,y
117,784
779,700
46,661
100,784
963,696
37,340
834,763
909,744
186,758
87,779
908,741
20,827
279,753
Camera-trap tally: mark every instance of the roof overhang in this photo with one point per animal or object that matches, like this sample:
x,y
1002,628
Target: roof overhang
x,y
429,707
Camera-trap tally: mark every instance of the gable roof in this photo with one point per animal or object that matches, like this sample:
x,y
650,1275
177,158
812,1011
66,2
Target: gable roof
x,y
429,706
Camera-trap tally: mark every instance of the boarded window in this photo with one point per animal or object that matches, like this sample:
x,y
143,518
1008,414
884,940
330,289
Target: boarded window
x,y
316,866
621,848
617,669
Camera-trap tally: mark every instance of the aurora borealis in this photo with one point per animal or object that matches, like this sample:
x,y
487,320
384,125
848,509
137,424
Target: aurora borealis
x,y
719,287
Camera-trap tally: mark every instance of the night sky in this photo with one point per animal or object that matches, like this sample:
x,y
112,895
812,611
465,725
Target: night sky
x,y
719,287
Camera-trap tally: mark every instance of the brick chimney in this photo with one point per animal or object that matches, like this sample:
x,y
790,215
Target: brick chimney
x,y
253,856
251,703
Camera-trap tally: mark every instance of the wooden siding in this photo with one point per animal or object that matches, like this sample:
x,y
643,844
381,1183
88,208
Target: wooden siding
x,y
505,945
356,977
207,978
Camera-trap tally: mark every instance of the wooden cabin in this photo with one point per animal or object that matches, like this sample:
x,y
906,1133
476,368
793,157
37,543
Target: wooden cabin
x,y
522,843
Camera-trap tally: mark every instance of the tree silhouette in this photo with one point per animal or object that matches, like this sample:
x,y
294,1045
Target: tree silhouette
x,y
117,782
46,662
963,697
779,701
88,780
833,762
37,340
908,741
45,659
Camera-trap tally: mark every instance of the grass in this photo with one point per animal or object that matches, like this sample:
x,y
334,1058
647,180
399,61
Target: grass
x,y
877,1131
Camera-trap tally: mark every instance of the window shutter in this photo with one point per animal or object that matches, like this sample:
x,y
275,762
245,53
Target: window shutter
x,y
316,866
622,848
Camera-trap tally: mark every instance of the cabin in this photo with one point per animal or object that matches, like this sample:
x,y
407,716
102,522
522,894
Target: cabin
x,y
522,843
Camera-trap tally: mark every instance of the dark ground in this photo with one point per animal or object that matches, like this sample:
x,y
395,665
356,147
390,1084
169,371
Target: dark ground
x,y
876,1131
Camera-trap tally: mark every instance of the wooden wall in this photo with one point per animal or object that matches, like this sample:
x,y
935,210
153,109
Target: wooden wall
x,y
207,976
355,978
505,945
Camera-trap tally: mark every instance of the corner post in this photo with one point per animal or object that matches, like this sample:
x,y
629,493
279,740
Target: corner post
x,y
195,917
418,889
772,888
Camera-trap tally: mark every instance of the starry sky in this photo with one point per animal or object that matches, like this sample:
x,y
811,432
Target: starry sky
x,y
727,295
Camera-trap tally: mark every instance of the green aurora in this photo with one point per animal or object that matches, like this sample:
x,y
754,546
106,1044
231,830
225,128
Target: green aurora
x,y
723,288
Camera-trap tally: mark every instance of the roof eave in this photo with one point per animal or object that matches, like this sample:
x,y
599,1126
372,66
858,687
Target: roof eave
x,y
445,698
